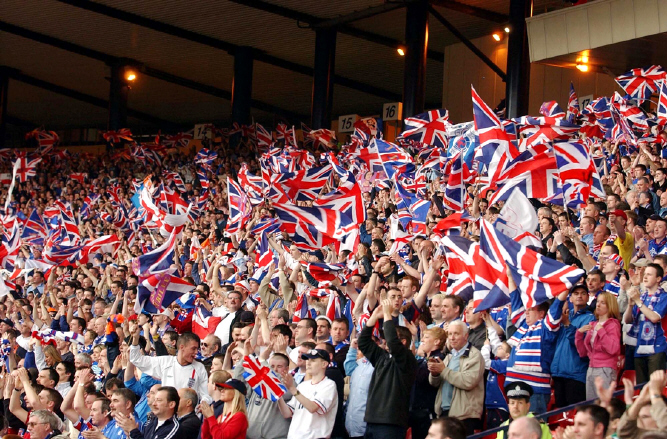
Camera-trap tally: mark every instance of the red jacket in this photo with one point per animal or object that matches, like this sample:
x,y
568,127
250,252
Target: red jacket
x,y
234,427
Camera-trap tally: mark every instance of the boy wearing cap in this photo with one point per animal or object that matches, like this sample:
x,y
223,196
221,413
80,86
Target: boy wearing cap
x,y
314,403
518,399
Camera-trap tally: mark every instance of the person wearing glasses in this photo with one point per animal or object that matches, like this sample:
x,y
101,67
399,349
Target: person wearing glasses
x,y
43,424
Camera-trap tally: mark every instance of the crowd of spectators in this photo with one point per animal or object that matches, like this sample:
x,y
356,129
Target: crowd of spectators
x,y
408,356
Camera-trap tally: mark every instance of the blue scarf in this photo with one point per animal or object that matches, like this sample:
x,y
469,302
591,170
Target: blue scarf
x,y
647,330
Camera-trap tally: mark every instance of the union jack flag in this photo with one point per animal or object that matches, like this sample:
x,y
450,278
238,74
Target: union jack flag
x,y
538,278
170,176
305,184
539,130
157,291
179,139
576,170
429,128
333,306
303,310
662,103
455,194
205,157
26,168
239,207
34,229
495,149
116,137
534,172
44,138
156,261
264,137
640,83
103,244
572,103
88,203
262,379
552,109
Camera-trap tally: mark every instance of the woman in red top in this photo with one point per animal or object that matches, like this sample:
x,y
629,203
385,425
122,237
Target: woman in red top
x,y
232,423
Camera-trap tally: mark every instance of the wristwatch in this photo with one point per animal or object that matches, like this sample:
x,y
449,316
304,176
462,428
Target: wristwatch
x,y
297,393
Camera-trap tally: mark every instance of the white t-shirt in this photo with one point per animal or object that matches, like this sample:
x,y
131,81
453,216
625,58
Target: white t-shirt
x,y
172,373
306,425
223,329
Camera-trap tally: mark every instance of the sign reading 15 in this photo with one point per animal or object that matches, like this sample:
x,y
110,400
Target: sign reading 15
x,y
346,123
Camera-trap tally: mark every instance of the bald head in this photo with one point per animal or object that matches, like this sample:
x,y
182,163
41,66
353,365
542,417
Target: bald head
x,y
524,428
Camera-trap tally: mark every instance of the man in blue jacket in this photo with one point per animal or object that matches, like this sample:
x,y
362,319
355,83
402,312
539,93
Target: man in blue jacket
x,y
568,369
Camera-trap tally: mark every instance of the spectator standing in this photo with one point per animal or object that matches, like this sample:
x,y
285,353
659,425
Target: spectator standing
x,y
600,342
460,379
646,313
393,376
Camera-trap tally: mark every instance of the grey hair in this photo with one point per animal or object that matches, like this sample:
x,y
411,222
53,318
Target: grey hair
x,y
460,323
85,359
48,417
190,395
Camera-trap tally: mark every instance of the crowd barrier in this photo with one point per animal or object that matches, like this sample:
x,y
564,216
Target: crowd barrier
x,y
491,433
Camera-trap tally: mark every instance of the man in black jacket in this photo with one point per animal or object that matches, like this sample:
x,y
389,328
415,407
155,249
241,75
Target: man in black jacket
x,y
161,426
389,392
190,422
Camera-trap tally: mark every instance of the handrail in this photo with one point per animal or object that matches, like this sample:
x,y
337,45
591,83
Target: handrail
x,y
551,413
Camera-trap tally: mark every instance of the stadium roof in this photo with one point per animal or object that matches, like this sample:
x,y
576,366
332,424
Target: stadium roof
x,y
58,53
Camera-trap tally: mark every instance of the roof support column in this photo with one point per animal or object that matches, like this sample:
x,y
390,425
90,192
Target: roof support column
x,y
414,73
518,62
118,92
242,85
4,87
323,75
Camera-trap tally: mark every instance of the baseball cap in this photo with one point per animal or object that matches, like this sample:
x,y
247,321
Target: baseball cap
x,y
7,322
318,254
233,384
316,353
655,217
577,287
619,212
642,262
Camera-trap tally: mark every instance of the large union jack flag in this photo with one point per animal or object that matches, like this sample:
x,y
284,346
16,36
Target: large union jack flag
x,y
262,379
428,128
640,83
538,278
495,149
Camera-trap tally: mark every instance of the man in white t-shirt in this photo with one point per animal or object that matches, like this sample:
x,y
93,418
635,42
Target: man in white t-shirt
x,y
180,371
314,403
233,304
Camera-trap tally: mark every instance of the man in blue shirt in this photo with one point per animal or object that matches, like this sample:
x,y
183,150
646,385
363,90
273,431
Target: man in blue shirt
x,y
568,369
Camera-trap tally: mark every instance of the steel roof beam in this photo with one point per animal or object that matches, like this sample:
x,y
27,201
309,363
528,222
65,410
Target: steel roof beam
x,y
315,22
468,43
89,99
484,14
148,71
259,55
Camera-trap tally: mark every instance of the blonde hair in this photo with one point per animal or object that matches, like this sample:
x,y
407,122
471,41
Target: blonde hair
x,y
238,403
52,352
612,305
438,334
